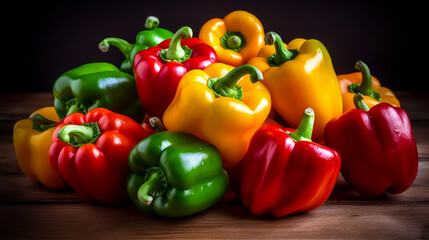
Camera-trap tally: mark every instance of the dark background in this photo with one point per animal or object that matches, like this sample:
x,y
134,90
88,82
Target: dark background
x,y
41,40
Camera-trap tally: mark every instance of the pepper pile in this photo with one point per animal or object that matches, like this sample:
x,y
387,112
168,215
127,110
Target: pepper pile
x,y
186,120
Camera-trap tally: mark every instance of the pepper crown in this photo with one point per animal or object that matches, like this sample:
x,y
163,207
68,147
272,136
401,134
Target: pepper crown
x,y
365,87
305,128
234,41
175,51
227,86
79,135
73,106
155,185
282,54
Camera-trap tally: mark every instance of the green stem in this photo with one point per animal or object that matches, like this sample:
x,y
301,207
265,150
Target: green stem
x,y
123,46
175,51
366,84
282,54
155,185
234,41
73,106
40,123
151,22
305,128
365,87
78,135
359,103
227,85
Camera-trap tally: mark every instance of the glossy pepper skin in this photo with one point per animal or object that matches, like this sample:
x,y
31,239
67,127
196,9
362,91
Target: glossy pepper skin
x,y
150,37
284,172
298,77
95,85
377,148
175,174
159,69
362,82
221,105
236,38
91,153
31,139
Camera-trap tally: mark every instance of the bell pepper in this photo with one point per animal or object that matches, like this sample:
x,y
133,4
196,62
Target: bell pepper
x,y
150,37
175,174
221,105
362,82
236,38
95,85
377,148
32,138
159,69
284,172
298,77
91,153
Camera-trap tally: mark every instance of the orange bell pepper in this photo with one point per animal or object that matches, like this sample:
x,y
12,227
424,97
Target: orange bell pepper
x,y
236,38
300,75
32,140
362,82
221,105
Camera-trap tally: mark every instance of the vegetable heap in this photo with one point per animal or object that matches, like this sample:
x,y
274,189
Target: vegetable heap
x,y
185,121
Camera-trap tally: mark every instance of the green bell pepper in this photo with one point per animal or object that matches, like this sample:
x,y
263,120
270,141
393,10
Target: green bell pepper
x,y
175,174
150,37
95,85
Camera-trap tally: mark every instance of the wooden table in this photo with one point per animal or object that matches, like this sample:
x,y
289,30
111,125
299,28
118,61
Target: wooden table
x,y
30,211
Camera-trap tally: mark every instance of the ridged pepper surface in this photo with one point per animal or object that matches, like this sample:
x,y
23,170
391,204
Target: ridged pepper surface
x,y
236,38
97,85
159,69
221,105
91,153
175,174
377,148
300,76
32,139
284,172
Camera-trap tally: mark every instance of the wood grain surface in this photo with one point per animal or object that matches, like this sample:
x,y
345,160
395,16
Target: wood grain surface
x,y
30,211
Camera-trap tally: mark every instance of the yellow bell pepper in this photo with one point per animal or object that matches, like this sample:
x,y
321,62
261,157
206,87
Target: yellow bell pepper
x,y
222,105
300,75
369,86
236,38
32,148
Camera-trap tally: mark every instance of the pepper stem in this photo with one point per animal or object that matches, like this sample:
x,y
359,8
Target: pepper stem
x,y
234,41
177,52
123,46
40,123
227,86
305,128
155,185
365,87
73,106
359,103
151,22
157,124
282,54
78,135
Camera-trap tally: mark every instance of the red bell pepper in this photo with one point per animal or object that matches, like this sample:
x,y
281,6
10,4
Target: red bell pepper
x,y
377,148
159,69
91,153
284,172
